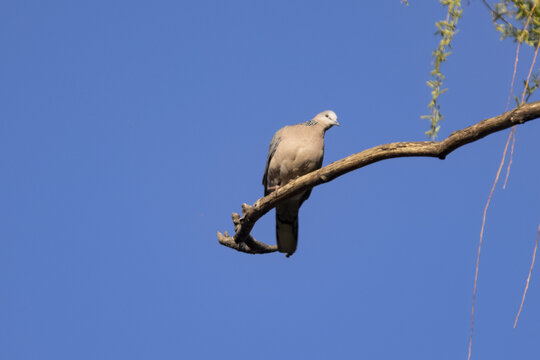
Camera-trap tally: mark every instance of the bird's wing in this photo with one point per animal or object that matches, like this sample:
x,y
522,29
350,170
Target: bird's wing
x,y
271,151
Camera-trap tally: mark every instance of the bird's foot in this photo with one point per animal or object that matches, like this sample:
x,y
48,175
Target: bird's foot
x,y
273,188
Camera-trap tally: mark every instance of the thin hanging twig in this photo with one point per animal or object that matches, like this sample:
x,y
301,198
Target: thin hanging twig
x,y
528,277
513,135
480,244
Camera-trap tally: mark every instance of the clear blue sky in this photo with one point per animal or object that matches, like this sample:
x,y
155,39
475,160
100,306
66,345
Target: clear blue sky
x,y
130,130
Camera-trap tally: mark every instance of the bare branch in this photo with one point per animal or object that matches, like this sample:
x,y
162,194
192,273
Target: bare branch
x,y
249,245
244,242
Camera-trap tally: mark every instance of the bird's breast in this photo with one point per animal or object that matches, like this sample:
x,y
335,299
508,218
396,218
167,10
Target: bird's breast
x,y
298,158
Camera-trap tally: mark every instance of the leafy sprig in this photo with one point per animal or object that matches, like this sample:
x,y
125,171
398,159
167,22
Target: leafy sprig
x,y
446,29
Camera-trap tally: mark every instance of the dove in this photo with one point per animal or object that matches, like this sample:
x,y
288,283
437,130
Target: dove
x,y
295,150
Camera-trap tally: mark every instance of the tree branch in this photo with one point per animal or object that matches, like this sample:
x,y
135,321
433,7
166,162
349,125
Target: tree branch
x,y
244,242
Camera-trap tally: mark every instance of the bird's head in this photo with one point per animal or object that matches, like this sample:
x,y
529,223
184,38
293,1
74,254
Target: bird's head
x,y
327,119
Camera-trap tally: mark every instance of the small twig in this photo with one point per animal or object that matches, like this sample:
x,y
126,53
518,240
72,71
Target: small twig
x,y
480,243
530,70
249,245
520,40
513,134
528,277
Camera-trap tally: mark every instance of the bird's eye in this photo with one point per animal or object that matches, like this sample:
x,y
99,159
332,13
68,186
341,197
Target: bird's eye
x,y
327,115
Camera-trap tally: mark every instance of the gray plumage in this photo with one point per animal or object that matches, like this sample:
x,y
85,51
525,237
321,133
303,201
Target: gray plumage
x,y
294,151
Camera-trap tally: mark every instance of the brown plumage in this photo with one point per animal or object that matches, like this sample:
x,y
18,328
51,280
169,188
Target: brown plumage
x,y
294,151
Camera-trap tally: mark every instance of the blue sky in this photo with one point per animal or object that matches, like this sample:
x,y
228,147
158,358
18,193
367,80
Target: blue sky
x,y
130,130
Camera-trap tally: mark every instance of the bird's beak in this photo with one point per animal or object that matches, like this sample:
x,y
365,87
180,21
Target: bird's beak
x,y
337,124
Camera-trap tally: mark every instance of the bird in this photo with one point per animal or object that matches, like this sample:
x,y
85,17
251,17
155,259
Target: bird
x,y
295,150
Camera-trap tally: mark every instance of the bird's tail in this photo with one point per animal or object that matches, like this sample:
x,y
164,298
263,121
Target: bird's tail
x,y
287,227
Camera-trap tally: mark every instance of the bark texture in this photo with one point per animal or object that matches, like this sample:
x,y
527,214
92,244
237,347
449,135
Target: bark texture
x,y
244,242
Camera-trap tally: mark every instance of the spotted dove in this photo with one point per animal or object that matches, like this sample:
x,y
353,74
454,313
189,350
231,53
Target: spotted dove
x,y
294,151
